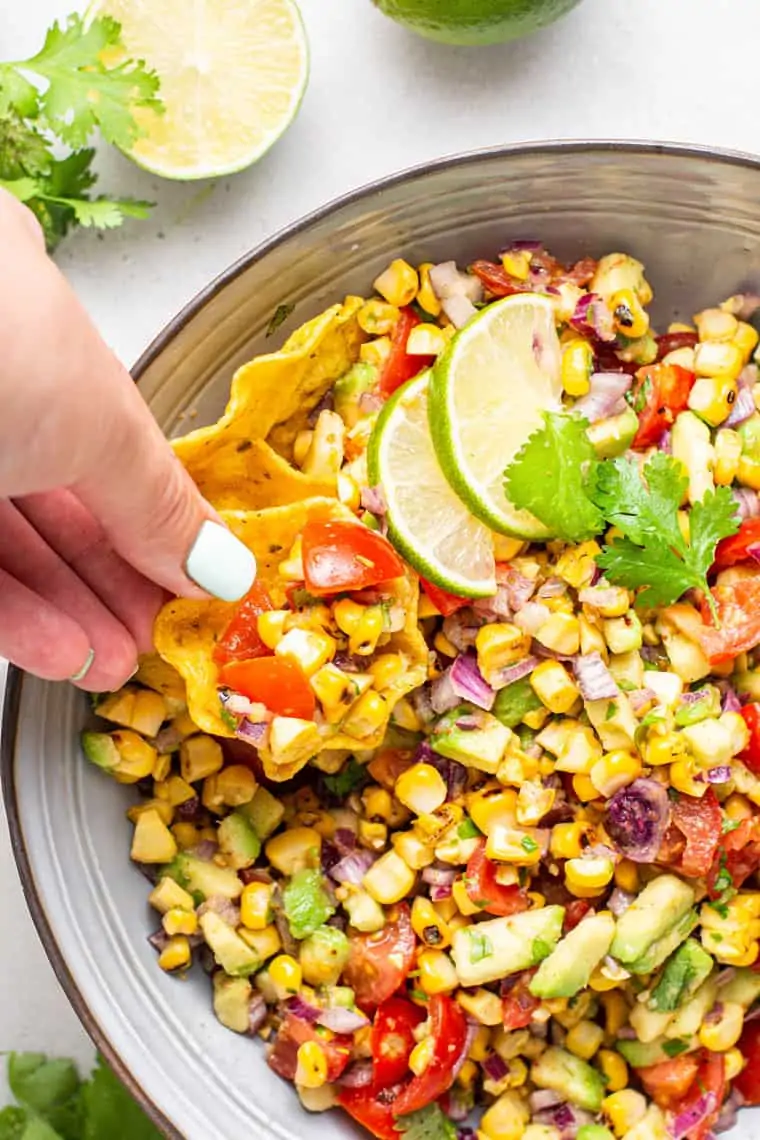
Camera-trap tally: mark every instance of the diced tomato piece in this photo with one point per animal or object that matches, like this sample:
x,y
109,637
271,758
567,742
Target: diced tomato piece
x,y
346,556
711,1078
671,342
275,682
734,549
518,1005
388,764
486,891
738,857
738,627
448,1029
392,1040
444,602
374,1110
401,365
751,754
748,1081
661,391
668,1082
700,821
496,280
575,912
379,963
240,640
294,1032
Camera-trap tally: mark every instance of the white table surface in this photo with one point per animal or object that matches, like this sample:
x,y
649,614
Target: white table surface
x,y
379,100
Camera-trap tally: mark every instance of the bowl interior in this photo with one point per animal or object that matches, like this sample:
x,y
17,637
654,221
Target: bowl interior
x,y
692,217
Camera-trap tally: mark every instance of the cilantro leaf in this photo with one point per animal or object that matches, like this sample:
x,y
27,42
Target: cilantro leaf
x,y
351,776
429,1123
49,1089
642,510
13,1123
552,475
110,1113
104,213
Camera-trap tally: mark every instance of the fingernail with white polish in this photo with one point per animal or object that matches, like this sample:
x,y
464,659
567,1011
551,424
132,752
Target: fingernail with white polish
x,y
82,673
220,564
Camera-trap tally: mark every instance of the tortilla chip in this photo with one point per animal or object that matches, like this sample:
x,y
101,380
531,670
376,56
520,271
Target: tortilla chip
x,y
242,462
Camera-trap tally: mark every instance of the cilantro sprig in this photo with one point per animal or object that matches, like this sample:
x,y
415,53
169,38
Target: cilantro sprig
x,y
81,80
54,1103
429,1123
558,478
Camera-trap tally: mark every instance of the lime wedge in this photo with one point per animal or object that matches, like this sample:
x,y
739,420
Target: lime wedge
x,y
488,393
427,523
233,73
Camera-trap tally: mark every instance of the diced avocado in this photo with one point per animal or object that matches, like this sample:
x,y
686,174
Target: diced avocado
x,y
292,742
481,746
514,701
661,950
306,903
684,973
341,997
594,1132
648,1023
661,905
614,722
264,812
229,950
124,754
140,709
688,1019
349,389
232,1001
202,878
705,702
690,443
152,841
364,913
749,433
572,962
641,1055
743,988
238,841
487,951
652,1126
575,1080
638,350
711,742
169,895
323,955
616,272
612,437
100,749
747,683
200,756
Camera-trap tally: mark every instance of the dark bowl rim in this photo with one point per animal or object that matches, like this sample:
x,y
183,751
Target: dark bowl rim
x,y
14,681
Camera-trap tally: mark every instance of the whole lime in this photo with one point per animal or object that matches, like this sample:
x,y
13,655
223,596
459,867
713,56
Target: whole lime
x,y
475,21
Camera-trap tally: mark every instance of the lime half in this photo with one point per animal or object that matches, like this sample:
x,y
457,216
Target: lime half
x,y
427,523
488,393
475,21
233,73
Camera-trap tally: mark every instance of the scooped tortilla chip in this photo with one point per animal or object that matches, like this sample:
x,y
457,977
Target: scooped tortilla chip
x,y
186,630
242,462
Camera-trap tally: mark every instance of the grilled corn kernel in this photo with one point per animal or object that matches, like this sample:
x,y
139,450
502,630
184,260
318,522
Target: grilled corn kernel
x,y
713,358
372,835
734,1062
387,669
389,880
168,895
437,973
511,845
294,849
308,649
426,295
311,1068
600,983
565,842
589,874
731,934
481,1044
627,876
468,1074
722,1034
428,924
631,319
624,1110
421,1056
398,284
375,352
265,942
462,899
444,646
176,954
500,644
578,749
377,803
683,357
421,788
376,318
746,339
426,340
683,777
506,1118
554,687
713,397
179,921
286,975
615,771
577,366
506,548
748,473
738,807
301,447
584,789
616,1012
162,807
369,714
482,1005
716,324
533,803
516,263
362,624
348,491
614,1069
235,785
664,749
562,633
152,841
256,905
577,565
728,450
584,1039
492,804
413,850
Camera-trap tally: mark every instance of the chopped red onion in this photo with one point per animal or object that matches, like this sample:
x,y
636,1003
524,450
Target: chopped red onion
x,y
531,617
461,629
593,318
345,840
422,703
511,673
189,811
748,376
459,1107
520,589
685,1123
595,681
349,662
470,1035
639,698
341,1020
205,850
495,608
357,1076
251,732
303,1010
448,281
603,398
373,500
370,402
439,876
438,894
542,1099
494,1067
719,775
159,940
743,305
637,818
627,1033
551,588
754,551
222,906
747,501
564,1117
729,1114
254,875
598,595
257,1014
459,310
443,695
725,976
353,867
619,901
743,407
469,684
454,773
237,704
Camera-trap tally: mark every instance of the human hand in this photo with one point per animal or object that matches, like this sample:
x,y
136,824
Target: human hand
x,y
97,516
